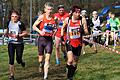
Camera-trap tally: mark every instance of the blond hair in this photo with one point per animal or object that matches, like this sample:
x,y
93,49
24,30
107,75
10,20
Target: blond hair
x,y
50,4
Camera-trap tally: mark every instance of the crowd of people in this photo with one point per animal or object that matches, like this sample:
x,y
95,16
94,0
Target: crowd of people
x,y
113,24
66,28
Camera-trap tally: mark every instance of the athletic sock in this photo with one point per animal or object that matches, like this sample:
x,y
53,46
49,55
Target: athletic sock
x,y
23,64
57,61
70,71
73,70
11,78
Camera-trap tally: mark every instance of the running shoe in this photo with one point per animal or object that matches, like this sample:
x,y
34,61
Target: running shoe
x,y
70,79
45,78
95,51
11,78
23,64
83,52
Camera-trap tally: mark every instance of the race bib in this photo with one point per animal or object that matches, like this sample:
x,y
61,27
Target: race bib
x,y
48,28
96,32
60,23
13,32
74,32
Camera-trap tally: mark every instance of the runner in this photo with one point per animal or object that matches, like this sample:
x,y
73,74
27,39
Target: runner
x,y
45,41
97,25
75,28
15,31
60,17
89,25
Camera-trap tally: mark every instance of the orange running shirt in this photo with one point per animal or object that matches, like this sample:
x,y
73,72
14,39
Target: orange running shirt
x,y
47,26
75,33
60,22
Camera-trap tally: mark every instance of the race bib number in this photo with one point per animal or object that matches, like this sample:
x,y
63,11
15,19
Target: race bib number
x,y
74,32
12,34
48,28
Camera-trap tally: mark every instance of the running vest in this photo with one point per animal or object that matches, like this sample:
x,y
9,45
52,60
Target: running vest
x,y
75,33
15,28
60,22
96,23
47,26
114,24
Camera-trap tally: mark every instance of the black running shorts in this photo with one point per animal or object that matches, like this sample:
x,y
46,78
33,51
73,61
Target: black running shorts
x,y
76,50
45,43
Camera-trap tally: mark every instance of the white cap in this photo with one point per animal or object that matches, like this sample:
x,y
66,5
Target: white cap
x,y
94,12
83,12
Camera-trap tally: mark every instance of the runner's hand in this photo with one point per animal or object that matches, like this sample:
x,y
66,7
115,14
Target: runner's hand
x,y
12,35
63,42
42,33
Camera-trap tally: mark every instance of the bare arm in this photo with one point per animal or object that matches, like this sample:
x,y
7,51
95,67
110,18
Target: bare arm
x,y
84,23
64,25
36,23
6,33
24,33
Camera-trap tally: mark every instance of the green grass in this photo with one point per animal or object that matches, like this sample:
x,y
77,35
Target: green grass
x,y
105,65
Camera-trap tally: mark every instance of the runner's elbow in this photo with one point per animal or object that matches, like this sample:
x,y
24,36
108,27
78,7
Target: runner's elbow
x,y
34,27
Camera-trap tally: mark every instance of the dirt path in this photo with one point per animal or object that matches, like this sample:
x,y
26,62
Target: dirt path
x,y
31,72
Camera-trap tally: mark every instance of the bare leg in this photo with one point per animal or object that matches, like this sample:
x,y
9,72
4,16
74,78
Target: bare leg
x,y
63,49
57,43
83,48
40,59
46,65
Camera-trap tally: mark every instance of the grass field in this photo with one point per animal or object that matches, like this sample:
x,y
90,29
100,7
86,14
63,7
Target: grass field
x,y
105,65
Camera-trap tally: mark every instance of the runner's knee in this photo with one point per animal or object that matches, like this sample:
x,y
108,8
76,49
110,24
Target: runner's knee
x,y
70,60
46,65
